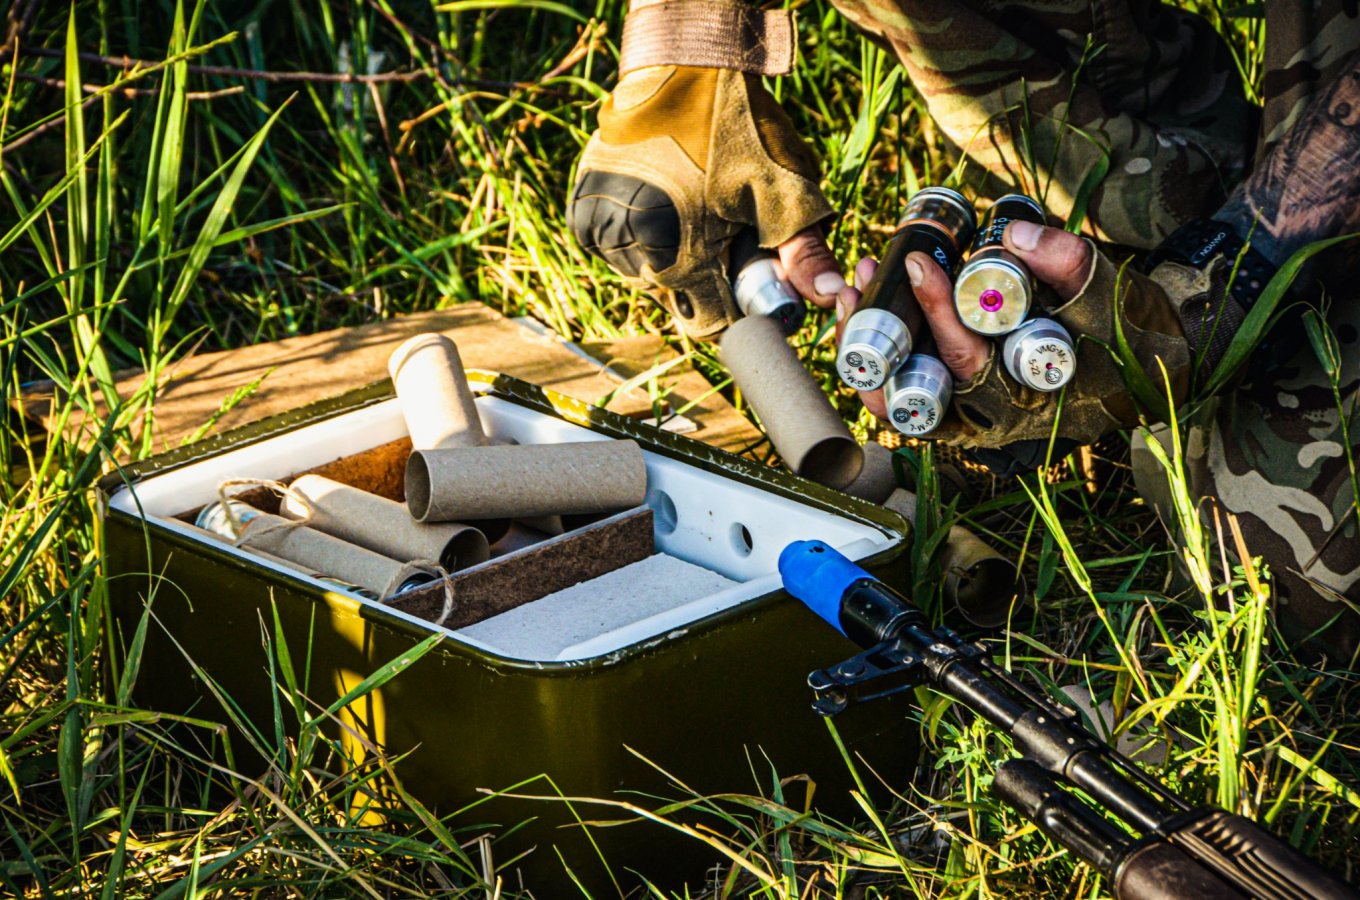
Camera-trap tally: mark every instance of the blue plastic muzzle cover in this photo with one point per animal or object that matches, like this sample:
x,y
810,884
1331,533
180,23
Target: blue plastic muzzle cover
x,y
817,574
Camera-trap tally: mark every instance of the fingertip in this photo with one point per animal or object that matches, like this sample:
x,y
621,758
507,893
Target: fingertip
x,y
846,303
811,267
930,282
1021,237
1056,257
864,271
874,402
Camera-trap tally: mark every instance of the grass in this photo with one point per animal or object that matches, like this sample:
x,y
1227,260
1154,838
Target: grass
x,y
158,208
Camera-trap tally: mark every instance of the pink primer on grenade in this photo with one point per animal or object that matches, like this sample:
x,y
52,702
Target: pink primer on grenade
x,y
760,286
1039,354
918,394
994,290
877,340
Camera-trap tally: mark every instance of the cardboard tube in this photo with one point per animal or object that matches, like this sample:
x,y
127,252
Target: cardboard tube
x,y
321,552
877,480
319,576
381,525
801,422
978,581
434,394
902,502
525,480
494,529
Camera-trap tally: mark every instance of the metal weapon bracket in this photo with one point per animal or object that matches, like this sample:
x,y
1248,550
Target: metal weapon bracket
x,y
885,669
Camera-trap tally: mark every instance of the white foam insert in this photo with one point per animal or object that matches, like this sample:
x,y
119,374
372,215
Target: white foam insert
x,y
730,528
546,627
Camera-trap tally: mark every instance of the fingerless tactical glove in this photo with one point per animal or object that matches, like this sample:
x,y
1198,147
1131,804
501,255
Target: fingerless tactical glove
x,y
687,156
992,410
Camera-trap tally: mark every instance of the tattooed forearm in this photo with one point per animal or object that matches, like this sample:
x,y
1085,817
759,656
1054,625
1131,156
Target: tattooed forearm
x,y
1308,186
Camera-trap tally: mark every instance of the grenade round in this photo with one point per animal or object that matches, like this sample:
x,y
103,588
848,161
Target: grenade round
x,y
877,337
918,394
994,290
1039,354
224,517
761,289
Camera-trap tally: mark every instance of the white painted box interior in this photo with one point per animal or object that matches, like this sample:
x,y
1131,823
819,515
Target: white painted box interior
x,y
734,529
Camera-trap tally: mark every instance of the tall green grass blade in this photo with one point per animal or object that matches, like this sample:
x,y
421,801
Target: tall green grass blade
x,y
1260,315
463,6
1094,179
385,673
1130,368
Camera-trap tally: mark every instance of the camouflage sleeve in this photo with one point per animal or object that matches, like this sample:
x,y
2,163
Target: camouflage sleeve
x,y
1046,95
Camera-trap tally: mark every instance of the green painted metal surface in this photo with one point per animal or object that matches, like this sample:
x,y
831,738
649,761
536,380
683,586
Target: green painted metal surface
x,y
719,705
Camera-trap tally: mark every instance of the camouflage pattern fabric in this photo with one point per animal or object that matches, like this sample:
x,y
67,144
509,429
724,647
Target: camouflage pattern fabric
x,y
1045,93
1276,452
1155,89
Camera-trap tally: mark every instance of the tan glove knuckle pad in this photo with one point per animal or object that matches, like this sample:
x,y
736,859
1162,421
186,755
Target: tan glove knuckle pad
x,y
692,135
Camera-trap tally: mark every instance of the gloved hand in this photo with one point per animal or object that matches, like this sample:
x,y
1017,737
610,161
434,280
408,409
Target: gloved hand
x,y
684,158
990,409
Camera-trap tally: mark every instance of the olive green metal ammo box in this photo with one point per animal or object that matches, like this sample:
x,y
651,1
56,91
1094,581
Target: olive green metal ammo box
x,y
713,691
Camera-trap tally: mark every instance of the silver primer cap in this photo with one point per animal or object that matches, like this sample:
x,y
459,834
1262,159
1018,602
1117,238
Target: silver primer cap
x,y
1039,354
918,394
873,346
761,289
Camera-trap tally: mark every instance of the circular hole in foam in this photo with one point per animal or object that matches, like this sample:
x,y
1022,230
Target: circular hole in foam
x,y
664,515
741,539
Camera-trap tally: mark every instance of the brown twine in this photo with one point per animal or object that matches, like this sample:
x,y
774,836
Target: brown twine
x,y
423,565
277,487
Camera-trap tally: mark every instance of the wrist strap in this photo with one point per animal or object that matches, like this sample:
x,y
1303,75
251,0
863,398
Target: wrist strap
x,y
711,35
1210,322
1199,242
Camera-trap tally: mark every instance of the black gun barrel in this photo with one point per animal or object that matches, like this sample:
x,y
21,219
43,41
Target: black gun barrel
x,y
868,611
1037,796
1139,870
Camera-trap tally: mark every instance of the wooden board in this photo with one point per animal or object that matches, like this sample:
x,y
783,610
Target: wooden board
x,y
289,373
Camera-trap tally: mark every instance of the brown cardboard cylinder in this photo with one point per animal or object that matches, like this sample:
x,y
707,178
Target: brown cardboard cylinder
x,y
799,418
381,525
876,480
322,552
978,581
254,551
494,529
311,573
525,480
902,502
434,394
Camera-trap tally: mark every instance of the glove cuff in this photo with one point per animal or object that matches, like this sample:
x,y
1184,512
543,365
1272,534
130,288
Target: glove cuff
x,y
710,35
